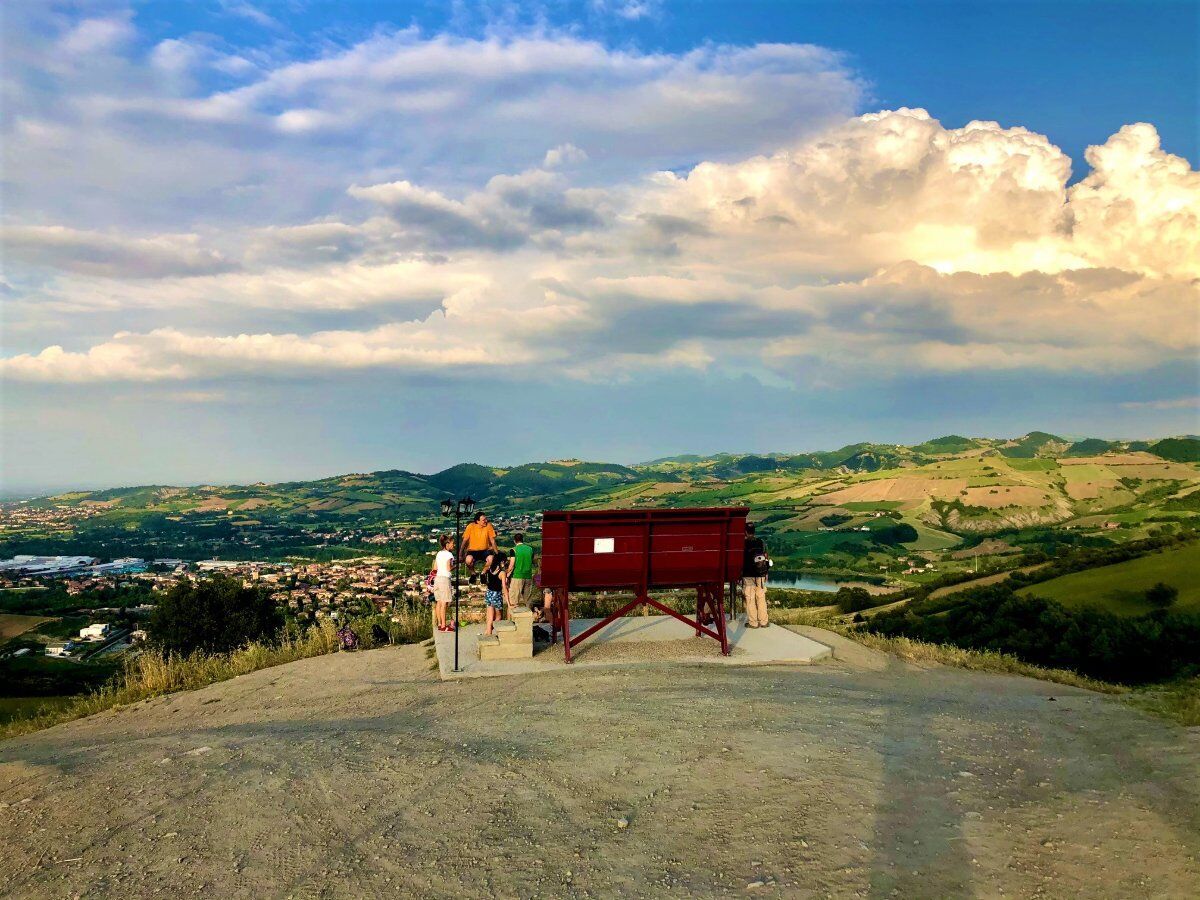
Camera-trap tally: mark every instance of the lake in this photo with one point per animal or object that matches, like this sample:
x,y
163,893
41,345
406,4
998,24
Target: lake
x,y
799,581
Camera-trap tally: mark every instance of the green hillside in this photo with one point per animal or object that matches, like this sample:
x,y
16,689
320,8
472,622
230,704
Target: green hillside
x,y
1183,449
1121,588
837,509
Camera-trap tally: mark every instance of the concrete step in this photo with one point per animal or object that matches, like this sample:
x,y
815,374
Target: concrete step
x,y
494,650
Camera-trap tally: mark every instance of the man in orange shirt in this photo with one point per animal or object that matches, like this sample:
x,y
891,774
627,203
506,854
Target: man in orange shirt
x,y
478,544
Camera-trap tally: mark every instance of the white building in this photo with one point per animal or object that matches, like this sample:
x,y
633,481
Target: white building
x,y
60,649
46,565
97,632
213,565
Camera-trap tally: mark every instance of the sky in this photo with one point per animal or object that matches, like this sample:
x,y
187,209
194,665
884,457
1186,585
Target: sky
x,y
265,241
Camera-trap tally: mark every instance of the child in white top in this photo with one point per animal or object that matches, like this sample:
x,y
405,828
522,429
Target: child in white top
x,y
443,570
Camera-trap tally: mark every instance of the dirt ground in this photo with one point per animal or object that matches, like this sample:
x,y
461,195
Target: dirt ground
x,y
361,775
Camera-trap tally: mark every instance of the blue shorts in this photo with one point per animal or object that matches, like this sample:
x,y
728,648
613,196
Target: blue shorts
x,y
494,599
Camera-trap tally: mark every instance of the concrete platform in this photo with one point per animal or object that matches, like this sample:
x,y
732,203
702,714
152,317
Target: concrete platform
x,y
617,645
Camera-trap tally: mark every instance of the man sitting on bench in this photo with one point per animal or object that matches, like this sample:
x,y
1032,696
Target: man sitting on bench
x,y
478,545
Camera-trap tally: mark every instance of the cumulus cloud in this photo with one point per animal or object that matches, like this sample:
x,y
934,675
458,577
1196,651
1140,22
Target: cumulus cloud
x,y
897,185
869,246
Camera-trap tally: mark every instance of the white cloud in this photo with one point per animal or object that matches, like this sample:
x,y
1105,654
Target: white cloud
x,y
114,256
441,111
96,35
563,155
354,211
1170,403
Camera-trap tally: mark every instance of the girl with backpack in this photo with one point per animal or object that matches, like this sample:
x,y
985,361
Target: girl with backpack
x,y
496,577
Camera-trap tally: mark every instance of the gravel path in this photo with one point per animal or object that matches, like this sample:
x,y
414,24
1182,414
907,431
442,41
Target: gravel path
x,y
362,775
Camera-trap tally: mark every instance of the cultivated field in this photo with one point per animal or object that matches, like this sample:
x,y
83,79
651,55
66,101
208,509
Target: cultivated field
x,y
1120,588
12,626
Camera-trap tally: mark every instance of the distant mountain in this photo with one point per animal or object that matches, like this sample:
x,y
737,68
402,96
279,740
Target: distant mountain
x,y
399,495
1033,444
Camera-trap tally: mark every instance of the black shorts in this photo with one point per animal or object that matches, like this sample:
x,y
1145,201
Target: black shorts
x,y
478,555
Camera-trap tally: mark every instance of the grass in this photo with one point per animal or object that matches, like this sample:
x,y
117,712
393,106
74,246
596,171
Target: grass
x,y
153,673
1120,588
1176,701
24,707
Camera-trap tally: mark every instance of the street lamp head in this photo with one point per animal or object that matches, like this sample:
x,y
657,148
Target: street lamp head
x,y
447,507
467,504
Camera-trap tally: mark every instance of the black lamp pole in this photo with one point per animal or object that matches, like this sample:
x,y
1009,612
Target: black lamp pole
x,y
458,509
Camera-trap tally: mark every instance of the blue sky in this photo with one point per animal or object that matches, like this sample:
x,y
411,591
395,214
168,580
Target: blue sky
x,y
248,241
1074,70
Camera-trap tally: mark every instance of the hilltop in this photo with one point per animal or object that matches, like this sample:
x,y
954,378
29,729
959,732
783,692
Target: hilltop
x,y
862,508
363,775
398,494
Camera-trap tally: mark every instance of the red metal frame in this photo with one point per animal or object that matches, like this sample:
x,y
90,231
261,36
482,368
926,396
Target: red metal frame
x,y
640,550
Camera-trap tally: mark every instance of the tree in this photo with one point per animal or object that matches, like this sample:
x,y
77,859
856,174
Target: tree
x,y
1162,595
891,535
850,599
213,616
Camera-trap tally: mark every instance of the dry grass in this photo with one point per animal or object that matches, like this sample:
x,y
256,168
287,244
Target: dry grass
x,y
1178,701
153,673
942,654
977,660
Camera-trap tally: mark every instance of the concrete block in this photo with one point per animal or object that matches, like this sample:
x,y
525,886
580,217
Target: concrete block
x,y
522,618
505,651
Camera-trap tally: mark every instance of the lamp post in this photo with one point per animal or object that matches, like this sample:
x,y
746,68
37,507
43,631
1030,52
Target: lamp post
x,y
458,509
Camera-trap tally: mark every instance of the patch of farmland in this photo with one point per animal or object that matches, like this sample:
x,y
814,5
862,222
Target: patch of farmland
x,y
1031,465
1162,472
362,506
212,503
12,625
325,505
1121,588
253,503
908,488
1112,459
929,538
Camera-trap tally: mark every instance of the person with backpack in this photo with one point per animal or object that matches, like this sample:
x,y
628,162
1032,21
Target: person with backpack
x,y
520,572
443,590
756,565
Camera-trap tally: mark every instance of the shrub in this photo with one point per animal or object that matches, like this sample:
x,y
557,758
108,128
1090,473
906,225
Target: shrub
x,y
850,599
1162,595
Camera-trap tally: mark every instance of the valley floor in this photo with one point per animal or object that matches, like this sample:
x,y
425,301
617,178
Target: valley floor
x,y
363,775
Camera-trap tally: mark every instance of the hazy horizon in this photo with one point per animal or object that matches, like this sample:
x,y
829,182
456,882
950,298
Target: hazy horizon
x,y
18,492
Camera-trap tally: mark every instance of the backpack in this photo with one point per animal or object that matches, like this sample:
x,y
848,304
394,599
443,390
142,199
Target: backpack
x,y
348,638
762,565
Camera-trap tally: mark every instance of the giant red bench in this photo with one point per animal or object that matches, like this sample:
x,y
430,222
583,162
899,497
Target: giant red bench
x,y
640,550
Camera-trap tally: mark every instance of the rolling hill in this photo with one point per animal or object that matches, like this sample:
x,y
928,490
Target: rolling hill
x,y
948,489
1121,588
